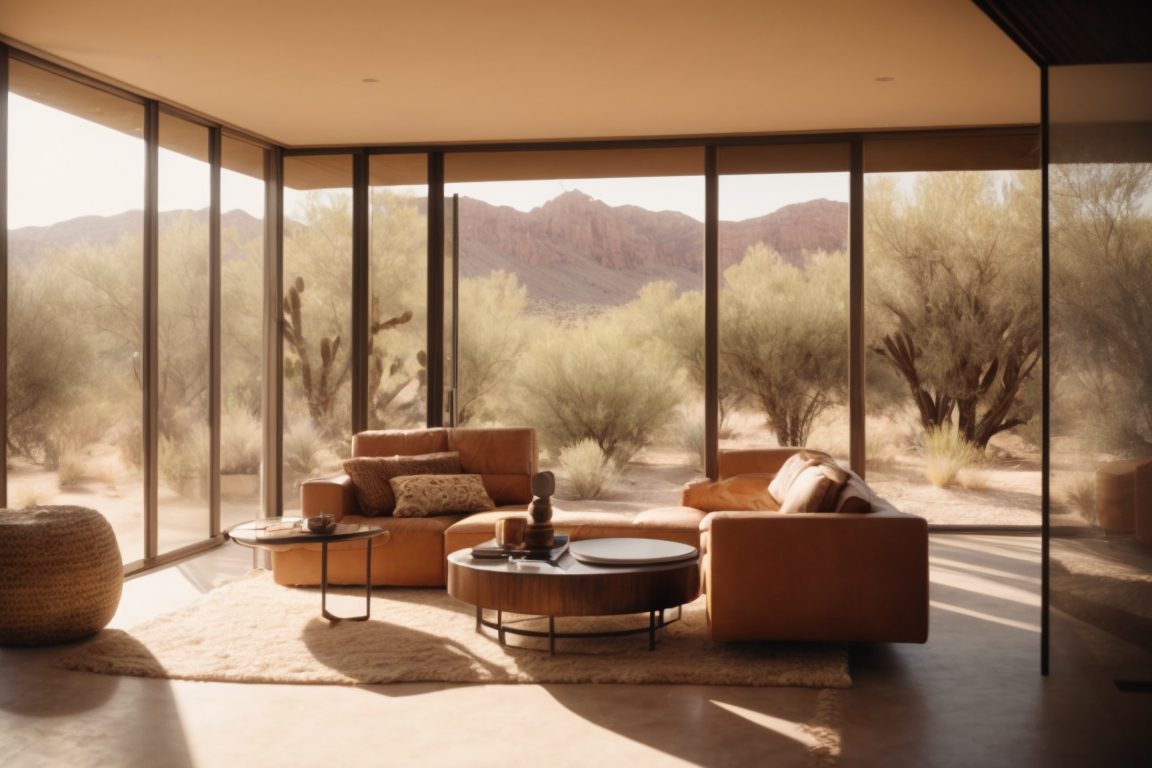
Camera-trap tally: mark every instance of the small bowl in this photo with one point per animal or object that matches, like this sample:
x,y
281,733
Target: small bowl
x,y
325,523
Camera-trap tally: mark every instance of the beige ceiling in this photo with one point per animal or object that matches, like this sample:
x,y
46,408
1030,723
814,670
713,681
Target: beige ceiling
x,y
297,71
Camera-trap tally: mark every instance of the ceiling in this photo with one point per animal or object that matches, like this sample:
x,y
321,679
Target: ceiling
x,y
379,72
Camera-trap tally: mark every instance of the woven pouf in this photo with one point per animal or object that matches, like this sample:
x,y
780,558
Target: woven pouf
x,y
60,574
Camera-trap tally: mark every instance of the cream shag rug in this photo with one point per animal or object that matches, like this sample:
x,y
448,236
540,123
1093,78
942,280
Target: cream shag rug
x,y
254,631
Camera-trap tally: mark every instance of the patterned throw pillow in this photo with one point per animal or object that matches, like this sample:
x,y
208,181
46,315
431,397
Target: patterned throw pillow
x,y
370,476
427,495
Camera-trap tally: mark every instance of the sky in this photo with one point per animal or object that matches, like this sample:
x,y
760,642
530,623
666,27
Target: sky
x,y
62,167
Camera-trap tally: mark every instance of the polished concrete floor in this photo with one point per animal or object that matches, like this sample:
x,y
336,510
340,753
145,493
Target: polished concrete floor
x,y
972,696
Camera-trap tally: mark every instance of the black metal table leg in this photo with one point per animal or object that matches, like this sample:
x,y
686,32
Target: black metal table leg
x,y
333,618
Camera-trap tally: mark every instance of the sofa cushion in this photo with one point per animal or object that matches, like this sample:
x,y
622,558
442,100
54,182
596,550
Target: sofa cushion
x,y
428,495
815,489
855,497
789,472
371,475
737,493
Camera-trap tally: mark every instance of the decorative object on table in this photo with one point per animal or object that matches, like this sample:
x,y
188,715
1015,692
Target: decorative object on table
x,y
324,523
540,534
61,574
510,532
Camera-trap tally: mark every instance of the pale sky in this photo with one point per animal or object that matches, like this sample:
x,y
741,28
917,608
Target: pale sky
x,y
61,167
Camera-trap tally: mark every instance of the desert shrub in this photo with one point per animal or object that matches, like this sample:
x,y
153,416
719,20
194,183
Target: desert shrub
x,y
306,452
183,462
70,471
589,470
595,382
1080,494
687,432
946,452
241,441
493,335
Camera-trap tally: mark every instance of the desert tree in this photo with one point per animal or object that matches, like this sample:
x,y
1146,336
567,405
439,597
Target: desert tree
x,y
494,333
954,293
600,381
1101,236
784,337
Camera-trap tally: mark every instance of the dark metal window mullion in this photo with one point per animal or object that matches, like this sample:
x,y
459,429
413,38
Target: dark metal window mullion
x,y
711,310
360,291
150,361
214,309
4,276
856,422
435,373
273,381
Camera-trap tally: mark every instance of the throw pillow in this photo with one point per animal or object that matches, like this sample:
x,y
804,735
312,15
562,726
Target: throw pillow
x,y
427,495
788,473
814,490
370,476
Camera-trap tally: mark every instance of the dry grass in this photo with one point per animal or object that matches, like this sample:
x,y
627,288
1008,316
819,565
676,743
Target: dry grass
x,y
588,470
946,453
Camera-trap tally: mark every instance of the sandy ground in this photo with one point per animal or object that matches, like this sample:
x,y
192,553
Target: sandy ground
x,y
1003,491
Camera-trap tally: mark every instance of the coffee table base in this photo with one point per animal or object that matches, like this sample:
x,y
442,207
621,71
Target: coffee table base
x,y
656,620
333,618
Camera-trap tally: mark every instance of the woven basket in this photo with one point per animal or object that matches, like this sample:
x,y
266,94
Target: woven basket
x,y
60,574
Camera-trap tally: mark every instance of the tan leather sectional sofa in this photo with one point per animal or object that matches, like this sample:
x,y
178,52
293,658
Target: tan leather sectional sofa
x,y
858,572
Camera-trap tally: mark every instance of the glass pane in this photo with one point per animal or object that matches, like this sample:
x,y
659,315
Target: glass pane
x,y
581,315
783,243
242,189
317,316
75,195
183,339
397,302
952,331
1100,230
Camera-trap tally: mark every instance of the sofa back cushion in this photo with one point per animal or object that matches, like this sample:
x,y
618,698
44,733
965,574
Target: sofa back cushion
x,y
400,442
504,457
855,497
815,489
789,472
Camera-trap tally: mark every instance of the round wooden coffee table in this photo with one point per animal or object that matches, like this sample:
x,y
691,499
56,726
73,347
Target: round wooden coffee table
x,y
629,576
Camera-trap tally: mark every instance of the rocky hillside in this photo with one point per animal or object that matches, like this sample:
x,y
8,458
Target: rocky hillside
x,y
573,250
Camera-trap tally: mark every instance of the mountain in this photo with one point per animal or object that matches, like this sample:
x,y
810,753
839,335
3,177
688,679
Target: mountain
x,y
578,250
28,243
573,250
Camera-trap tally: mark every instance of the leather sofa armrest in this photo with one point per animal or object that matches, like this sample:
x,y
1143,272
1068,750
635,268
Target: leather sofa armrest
x,y
328,494
817,576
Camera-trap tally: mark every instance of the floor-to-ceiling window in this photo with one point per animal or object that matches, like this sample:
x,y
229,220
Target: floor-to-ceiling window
x,y
1100,444
317,318
75,163
784,296
183,311
397,355
581,313
953,326
242,247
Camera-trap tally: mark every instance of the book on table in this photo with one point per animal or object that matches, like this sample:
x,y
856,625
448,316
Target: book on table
x,y
490,550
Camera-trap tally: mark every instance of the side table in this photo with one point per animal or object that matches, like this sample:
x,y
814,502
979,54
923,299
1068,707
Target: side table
x,y
279,533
